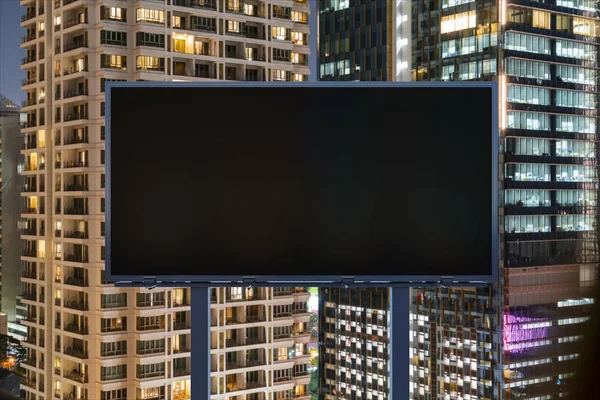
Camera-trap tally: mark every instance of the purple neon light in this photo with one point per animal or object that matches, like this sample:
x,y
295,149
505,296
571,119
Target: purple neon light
x,y
516,338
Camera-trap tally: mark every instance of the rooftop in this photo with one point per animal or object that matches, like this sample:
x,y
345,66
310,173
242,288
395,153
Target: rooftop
x,y
6,105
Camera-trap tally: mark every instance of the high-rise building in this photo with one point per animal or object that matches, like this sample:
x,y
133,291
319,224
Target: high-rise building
x,y
354,343
87,339
11,206
514,339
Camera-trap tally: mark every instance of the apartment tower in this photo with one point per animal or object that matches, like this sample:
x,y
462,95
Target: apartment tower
x,y
87,339
514,339
11,205
354,344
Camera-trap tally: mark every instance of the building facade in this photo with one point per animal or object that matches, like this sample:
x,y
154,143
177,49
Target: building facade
x,y
87,339
11,205
515,339
354,344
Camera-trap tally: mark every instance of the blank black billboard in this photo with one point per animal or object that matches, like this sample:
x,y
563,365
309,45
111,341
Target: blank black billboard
x,y
300,181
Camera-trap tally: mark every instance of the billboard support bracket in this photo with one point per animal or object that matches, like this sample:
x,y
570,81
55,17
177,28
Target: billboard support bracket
x,y
399,351
200,338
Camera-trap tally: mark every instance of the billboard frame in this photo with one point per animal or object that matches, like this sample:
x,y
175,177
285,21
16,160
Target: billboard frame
x,y
303,280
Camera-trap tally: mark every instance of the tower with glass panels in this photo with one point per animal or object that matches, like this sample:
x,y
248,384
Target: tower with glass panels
x,y
516,338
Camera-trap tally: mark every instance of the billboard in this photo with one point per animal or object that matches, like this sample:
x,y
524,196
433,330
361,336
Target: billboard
x,y
383,183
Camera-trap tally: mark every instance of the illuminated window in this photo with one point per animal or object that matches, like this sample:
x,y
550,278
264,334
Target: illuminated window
x,y
233,26
541,19
151,16
459,22
115,13
280,33
299,38
586,27
300,17
177,21
150,63
280,75
113,61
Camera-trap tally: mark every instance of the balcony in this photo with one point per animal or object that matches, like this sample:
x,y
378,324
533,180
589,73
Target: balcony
x,y
30,253
73,22
76,188
28,59
29,81
77,353
74,328
74,45
200,28
76,235
76,305
181,325
29,210
28,16
204,4
74,93
75,140
76,211
281,292
75,116
79,258
116,304
29,37
180,350
30,274
177,372
75,376
73,281
29,383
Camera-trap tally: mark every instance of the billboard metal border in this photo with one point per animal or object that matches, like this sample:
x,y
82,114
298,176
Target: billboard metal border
x,y
308,280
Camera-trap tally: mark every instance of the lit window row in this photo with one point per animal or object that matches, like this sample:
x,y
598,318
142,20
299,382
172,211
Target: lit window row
x,y
541,173
575,302
541,198
570,321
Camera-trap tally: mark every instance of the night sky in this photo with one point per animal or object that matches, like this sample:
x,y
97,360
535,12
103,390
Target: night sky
x,y
10,50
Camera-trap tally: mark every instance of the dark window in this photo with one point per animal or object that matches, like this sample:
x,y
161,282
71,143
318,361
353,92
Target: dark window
x,y
113,38
150,39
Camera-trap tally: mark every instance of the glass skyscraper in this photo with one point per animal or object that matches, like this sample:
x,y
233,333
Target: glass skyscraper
x,y
516,338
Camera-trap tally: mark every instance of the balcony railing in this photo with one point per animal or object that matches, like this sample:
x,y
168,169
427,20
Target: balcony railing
x,y
207,4
28,16
29,210
76,188
30,252
76,305
30,274
28,59
76,258
181,372
75,376
81,282
115,304
73,22
74,93
76,235
75,164
73,328
79,353
201,28
76,211
29,81
181,325
74,45
75,140
75,116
